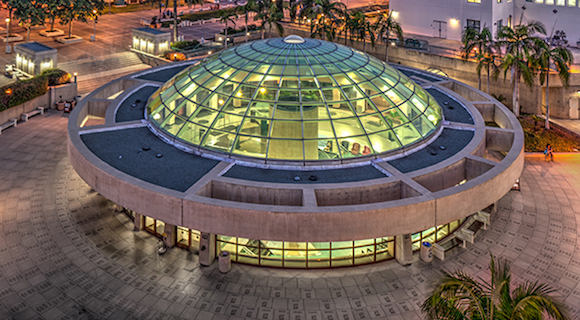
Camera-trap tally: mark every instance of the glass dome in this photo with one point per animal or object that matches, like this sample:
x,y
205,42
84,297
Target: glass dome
x,y
294,99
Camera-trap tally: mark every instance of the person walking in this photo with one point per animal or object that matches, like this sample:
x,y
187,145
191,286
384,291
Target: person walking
x,y
549,152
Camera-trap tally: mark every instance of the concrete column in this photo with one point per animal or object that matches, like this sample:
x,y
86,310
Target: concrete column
x,y
139,222
207,245
170,235
404,249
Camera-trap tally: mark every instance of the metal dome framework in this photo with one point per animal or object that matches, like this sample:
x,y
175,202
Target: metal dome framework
x,y
295,101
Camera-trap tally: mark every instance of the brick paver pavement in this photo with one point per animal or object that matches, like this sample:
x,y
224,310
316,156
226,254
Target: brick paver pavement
x,y
65,253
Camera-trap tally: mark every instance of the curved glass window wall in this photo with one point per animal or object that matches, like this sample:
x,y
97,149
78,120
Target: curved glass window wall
x,y
309,255
314,100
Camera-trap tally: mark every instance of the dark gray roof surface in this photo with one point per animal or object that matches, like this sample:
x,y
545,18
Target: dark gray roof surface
x,y
452,139
453,110
123,150
165,74
128,113
152,31
322,176
35,46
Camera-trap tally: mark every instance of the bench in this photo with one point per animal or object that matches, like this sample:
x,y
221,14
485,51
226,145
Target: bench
x,y
8,124
483,217
24,117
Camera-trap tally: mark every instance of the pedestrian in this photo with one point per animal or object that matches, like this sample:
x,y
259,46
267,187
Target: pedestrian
x,y
202,40
549,153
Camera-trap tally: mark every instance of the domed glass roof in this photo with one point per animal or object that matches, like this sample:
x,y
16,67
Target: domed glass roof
x,y
294,99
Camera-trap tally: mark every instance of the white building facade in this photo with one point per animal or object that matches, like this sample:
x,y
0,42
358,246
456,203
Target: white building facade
x,y
447,18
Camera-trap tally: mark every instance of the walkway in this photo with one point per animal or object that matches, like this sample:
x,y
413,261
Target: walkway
x,y
65,254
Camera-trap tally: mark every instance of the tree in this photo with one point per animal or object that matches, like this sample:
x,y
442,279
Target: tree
x,y
361,27
386,24
30,13
326,16
519,44
480,44
225,17
79,10
459,296
11,5
250,6
270,16
561,58
53,9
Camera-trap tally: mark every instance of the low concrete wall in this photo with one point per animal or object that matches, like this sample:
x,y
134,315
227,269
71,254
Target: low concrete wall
x,y
67,91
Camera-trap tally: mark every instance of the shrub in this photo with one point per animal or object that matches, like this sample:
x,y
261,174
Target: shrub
x,y
204,15
174,55
56,76
184,45
22,91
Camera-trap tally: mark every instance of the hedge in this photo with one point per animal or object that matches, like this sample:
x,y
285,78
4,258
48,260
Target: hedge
x,y
20,92
204,15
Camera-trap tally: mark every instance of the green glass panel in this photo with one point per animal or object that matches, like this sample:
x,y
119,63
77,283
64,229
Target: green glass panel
x,y
374,123
423,125
407,134
218,140
347,127
250,146
381,103
255,127
395,117
384,141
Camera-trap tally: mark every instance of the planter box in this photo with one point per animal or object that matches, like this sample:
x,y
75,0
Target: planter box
x,y
51,33
15,37
67,40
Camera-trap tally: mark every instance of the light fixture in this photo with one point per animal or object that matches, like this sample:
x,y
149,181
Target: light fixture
x,y
7,20
431,118
262,90
239,94
454,22
157,116
209,52
8,91
221,101
395,14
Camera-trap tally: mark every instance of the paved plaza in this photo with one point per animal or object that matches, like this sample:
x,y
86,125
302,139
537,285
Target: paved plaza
x,y
66,254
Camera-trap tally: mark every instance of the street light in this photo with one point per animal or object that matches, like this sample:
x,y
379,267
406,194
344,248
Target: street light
x,y
94,36
8,48
75,75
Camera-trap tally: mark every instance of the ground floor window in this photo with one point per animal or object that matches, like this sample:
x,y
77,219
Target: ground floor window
x,y
307,254
435,234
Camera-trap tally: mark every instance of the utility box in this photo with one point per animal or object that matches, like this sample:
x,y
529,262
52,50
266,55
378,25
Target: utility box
x,y
34,57
206,249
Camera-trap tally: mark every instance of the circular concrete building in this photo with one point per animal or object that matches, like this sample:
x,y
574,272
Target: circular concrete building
x,y
297,153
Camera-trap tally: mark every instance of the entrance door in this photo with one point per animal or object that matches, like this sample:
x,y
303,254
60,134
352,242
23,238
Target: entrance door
x,y
439,29
574,108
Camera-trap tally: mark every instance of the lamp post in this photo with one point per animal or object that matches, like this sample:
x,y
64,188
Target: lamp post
x,y
94,36
75,75
8,48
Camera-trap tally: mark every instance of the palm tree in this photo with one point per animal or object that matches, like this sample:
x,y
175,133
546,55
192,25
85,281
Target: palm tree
x,y
384,25
225,17
250,6
271,16
459,296
484,49
326,15
361,27
561,58
519,44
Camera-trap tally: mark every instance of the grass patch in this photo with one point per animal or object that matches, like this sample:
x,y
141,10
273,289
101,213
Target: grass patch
x,y
536,137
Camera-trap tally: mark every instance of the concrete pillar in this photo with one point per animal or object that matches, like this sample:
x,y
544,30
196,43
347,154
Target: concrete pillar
x,y
207,245
170,235
139,222
404,249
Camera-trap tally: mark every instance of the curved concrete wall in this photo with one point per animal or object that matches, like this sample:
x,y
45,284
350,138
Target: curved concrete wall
x,y
410,203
